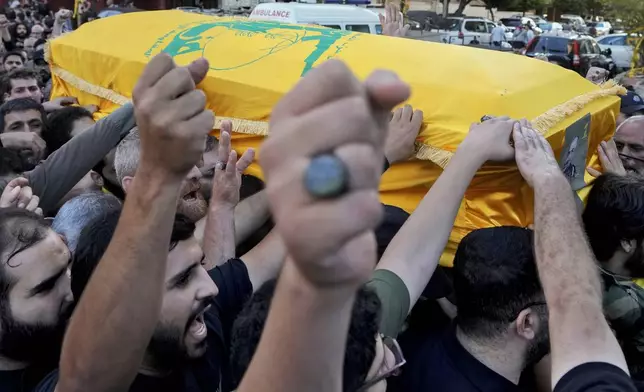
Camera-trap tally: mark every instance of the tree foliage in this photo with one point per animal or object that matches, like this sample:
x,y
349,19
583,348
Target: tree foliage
x,y
631,12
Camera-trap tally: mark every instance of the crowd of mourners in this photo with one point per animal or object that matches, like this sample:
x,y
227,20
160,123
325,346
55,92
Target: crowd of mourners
x,y
207,279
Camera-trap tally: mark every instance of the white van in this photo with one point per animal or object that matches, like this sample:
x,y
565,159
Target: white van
x,y
342,17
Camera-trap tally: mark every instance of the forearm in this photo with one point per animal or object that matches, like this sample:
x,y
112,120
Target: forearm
x,y
265,260
57,30
6,36
311,321
414,252
52,179
566,264
124,295
570,280
219,235
250,214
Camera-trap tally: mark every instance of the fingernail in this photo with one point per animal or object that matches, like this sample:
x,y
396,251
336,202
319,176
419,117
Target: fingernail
x,y
385,77
21,205
516,126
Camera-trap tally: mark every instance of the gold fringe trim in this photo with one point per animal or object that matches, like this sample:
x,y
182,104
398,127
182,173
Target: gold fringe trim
x,y
248,127
555,115
542,124
423,151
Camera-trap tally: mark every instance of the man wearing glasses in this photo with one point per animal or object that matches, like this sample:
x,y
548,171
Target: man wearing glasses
x,y
370,357
629,139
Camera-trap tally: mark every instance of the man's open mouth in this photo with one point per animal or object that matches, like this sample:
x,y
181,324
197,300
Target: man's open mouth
x,y
197,328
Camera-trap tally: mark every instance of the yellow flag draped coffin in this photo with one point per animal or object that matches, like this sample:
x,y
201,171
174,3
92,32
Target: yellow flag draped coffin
x,y
254,63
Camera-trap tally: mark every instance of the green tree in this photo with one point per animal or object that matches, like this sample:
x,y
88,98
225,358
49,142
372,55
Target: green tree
x,y
528,5
498,4
631,12
570,6
461,6
596,7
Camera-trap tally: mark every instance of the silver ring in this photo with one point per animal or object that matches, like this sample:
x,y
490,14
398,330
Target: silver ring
x,y
326,177
220,165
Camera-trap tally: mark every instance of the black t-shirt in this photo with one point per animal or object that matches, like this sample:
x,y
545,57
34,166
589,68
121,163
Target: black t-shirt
x,y
436,360
210,373
595,377
22,380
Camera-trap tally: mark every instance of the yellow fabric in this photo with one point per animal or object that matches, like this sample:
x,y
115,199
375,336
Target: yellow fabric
x,y
254,63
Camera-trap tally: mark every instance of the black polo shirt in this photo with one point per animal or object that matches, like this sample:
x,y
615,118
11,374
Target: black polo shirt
x,y
438,361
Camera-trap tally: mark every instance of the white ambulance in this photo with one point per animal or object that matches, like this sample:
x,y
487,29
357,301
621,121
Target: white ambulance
x,y
336,16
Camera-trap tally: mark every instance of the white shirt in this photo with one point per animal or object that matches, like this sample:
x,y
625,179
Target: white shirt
x,y
498,34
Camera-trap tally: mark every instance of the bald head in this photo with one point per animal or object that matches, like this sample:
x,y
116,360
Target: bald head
x,y
629,139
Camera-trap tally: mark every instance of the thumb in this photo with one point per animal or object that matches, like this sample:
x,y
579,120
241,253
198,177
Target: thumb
x,y
386,90
198,69
10,197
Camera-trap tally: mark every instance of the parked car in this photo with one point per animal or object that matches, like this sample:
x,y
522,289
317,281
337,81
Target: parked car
x,y
422,20
550,27
464,31
576,22
511,23
603,28
575,52
621,51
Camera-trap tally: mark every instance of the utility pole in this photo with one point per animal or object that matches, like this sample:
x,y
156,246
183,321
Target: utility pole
x,y
445,8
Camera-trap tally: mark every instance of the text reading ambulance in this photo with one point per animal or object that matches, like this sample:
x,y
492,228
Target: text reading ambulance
x,y
342,17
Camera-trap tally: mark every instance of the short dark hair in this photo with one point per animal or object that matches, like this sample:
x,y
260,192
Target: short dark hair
x,y
16,74
21,105
88,14
495,277
13,53
95,238
361,342
60,125
614,212
92,244
19,229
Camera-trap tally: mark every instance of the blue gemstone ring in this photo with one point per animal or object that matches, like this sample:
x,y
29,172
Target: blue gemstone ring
x,y
326,177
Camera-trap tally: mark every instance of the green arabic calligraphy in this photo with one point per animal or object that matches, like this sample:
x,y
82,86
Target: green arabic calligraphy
x,y
193,38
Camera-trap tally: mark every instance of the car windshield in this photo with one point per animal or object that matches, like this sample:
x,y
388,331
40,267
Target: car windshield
x,y
545,26
546,44
511,22
592,24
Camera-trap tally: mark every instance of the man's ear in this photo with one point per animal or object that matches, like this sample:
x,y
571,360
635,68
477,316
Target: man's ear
x,y
527,324
96,178
126,183
5,97
628,246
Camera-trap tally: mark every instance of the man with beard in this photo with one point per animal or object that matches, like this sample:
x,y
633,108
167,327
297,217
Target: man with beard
x,y
13,60
629,139
250,213
21,125
502,323
35,298
614,223
145,343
